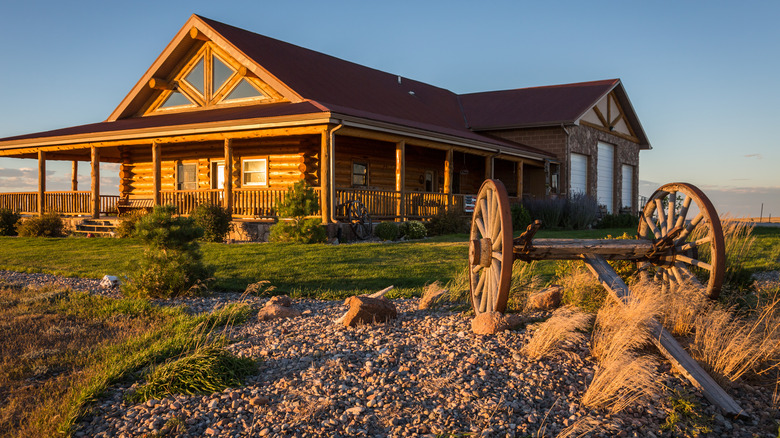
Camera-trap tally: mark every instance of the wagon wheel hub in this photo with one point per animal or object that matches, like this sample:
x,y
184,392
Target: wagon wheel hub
x,y
481,252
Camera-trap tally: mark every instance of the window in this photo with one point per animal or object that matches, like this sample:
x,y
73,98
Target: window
x,y
207,80
187,176
255,172
359,173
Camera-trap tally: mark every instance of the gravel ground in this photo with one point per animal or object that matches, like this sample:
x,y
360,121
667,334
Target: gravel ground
x,y
425,373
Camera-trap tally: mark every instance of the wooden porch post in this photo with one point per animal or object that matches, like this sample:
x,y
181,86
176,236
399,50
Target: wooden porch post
x,y
41,182
520,180
74,180
488,167
448,163
400,178
156,177
95,161
228,181
325,176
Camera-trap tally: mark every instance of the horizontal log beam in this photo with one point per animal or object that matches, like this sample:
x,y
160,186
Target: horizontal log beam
x,y
573,249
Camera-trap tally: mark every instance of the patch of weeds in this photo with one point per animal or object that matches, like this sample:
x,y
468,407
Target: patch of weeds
x,y
207,370
685,418
261,288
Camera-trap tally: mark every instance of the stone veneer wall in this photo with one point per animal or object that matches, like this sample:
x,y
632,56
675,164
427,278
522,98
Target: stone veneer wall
x,y
583,140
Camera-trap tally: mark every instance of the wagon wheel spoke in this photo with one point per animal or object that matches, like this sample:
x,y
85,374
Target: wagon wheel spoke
x,y
490,254
697,253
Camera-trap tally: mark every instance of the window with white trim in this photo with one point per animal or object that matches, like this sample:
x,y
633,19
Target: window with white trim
x,y
254,172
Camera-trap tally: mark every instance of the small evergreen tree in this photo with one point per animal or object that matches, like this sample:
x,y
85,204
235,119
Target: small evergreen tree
x,y
172,262
299,202
8,220
214,220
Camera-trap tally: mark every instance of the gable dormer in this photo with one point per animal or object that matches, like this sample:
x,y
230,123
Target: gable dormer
x,y
200,69
208,77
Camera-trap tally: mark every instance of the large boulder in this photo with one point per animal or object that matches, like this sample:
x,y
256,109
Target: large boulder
x,y
275,311
367,310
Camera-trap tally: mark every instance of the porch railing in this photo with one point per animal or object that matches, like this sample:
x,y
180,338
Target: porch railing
x,y
380,203
66,203
20,202
186,200
259,203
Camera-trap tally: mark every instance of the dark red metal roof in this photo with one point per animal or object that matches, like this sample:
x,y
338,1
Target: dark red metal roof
x,y
538,106
329,84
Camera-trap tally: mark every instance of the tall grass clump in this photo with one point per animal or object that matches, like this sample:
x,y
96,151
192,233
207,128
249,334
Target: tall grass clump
x,y
624,375
580,288
581,212
566,325
523,283
298,205
8,220
172,263
215,221
48,225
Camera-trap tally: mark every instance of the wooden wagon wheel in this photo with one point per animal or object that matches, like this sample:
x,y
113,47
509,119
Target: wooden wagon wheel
x,y
359,219
685,250
490,249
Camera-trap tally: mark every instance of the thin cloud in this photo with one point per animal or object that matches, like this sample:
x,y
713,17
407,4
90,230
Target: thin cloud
x,y
759,156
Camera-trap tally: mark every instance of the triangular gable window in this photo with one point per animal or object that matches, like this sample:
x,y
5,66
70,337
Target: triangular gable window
x,y
177,100
209,77
244,90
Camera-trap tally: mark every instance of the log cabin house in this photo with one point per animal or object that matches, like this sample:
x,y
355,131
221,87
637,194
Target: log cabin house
x,y
230,117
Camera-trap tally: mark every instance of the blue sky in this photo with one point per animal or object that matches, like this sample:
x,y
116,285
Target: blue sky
x,y
702,76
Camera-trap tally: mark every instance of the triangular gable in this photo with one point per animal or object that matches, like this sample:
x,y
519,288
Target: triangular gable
x,y
608,115
165,86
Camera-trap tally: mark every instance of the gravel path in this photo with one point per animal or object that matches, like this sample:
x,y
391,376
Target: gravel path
x,y
425,373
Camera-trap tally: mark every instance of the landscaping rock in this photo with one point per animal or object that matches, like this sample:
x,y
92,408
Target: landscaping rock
x,y
490,323
433,292
275,311
547,299
280,300
367,310
109,281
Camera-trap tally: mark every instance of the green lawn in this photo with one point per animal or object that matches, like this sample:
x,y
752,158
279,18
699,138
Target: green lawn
x,y
325,271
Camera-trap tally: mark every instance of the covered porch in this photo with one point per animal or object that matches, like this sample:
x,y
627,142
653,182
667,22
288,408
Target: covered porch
x,y
395,177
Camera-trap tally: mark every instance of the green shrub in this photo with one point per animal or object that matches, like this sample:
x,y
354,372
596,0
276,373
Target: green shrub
x,y
521,218
581,212
307,230
48,225
622,220
387,231
172,263
549,211
299,201
214,220
449,221
413,230
8,220
126,227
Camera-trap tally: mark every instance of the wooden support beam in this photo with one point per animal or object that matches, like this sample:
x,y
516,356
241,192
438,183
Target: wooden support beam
x,y
95,186
666,343
400,178
160,84
448,164
228,176
326,149
156,173
520,180
74,179
41,182
198,35
488,167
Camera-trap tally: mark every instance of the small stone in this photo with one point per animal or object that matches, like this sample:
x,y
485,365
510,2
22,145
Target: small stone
x,y
213,403
210,431
259,401
274,311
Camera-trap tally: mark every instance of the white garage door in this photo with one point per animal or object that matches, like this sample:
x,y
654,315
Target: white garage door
x,y
606,175
579,173
627,192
